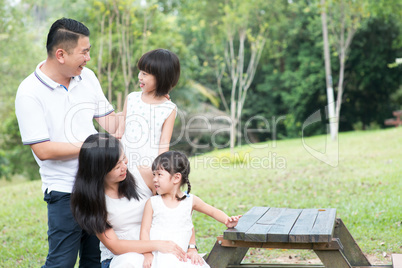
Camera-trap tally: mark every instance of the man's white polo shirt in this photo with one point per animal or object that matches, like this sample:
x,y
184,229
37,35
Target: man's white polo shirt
x,y
47,111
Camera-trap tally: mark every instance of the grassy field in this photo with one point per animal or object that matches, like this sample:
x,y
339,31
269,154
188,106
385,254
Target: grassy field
x,y
363,183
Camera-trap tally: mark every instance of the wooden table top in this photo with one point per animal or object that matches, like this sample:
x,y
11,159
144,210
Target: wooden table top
x,y
265,224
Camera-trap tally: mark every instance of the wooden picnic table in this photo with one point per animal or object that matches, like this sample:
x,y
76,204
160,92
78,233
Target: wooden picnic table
x,y
283,228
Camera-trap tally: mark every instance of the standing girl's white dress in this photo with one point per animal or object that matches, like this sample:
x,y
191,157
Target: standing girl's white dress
x,y
143,129
173,224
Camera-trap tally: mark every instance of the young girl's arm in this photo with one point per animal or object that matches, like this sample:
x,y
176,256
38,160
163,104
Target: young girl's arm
x,y
215,213
167,130
122,122
192,253
145,229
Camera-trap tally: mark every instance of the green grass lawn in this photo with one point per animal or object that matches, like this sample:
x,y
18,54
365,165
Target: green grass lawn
x,y
364,186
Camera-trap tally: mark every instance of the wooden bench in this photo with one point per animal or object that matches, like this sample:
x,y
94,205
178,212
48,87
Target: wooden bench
x,y
312,229
397,121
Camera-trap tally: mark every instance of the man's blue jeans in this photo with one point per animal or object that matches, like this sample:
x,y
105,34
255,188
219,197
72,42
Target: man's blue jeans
x,y
106,263
66,238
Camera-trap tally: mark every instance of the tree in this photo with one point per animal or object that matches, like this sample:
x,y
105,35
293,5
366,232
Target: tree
x,y
328,75
20,53
239,43
345,18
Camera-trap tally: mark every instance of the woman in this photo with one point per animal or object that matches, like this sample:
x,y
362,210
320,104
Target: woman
x,y
109,201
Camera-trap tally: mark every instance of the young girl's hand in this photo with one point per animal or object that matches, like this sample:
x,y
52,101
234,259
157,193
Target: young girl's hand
x,y
148,258
195,258
231,222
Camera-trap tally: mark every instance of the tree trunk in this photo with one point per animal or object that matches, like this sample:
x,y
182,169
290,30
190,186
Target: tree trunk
x,y
333,120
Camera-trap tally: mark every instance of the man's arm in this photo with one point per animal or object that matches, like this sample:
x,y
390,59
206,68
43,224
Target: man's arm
x,y
50,150
110,122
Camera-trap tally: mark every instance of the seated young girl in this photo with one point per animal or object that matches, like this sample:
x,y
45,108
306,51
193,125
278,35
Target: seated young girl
x,y
167,216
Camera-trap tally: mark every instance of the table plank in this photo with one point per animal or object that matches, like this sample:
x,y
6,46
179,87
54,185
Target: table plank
x,y
301,230
259,231
283,225
313,225
323,228
244,224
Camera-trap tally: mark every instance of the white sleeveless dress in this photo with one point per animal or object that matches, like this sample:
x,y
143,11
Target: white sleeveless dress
x,y
172,224
143,129
126,216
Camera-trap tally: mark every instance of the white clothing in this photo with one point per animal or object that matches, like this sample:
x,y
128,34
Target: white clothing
x,y
143,129
47,111
172,224
125,216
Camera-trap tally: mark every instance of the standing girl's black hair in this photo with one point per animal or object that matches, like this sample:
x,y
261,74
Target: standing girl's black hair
x,y
98,156
174,162
164,65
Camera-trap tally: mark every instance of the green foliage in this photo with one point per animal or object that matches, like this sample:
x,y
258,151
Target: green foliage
x,y
18,61
289,83
17,157
369,77
292,84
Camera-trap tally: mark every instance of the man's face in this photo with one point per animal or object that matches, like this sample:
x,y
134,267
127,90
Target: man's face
x,y
78,57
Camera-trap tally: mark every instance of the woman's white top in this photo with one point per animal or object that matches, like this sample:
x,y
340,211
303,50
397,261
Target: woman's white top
x,y
125,215
143,129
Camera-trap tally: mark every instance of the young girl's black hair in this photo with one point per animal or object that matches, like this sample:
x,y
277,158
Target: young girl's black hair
x,y
98,156
174,162
165,66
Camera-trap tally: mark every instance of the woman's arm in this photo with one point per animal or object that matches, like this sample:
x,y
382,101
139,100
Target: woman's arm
x,y
167,130
215,213
119,246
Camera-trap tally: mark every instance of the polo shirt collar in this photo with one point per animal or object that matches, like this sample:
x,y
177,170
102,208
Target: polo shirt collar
x,y
44,79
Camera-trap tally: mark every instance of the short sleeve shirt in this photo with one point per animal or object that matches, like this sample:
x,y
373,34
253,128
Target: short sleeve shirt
x,y
47,111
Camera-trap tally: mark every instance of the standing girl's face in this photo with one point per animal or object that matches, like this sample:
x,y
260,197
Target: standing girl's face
x,y
147,81
118,173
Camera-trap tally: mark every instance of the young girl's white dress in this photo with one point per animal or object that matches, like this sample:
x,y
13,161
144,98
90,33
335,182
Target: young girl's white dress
x,y
173,224
143,129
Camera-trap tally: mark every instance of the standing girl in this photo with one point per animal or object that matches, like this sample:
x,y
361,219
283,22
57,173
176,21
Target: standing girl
x,y
148,115
108,200
167,216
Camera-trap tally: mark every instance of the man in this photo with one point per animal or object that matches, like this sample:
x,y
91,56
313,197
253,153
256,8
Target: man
x,y
55,107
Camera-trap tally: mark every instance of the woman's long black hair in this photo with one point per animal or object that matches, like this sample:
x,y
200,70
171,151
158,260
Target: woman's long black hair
x,y
98,156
